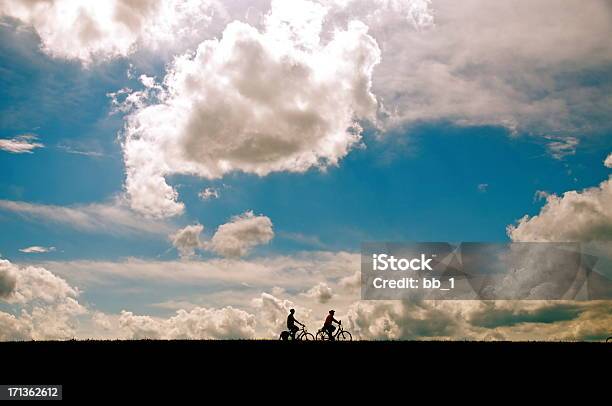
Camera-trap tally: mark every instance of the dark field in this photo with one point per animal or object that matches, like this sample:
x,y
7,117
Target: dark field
x,y
164,368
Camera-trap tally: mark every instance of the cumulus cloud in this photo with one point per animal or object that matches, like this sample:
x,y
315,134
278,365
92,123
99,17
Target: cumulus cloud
x,y
272,313
34,284
574,216
199,323
256,101
321,292
237,237
90,30
113,217
351,282
480,320
608,161
233,239
8,279
187,240
48,305
397,320
35,249
22,144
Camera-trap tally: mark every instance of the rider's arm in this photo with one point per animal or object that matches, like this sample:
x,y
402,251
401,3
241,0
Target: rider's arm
x,y
299,323
336,321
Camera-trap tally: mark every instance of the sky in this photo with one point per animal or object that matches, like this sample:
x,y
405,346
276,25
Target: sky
x,y
193,169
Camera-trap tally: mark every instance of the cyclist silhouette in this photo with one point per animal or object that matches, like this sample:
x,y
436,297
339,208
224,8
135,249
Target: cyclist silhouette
x,y
328,326
291,321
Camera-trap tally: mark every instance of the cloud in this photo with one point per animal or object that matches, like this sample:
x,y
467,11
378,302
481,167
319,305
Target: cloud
x,y
483,187
187,240
608,161
8,279
112,218
240,235
32,283
351,282
233,239
562,147
47,304
255,101
418,13
197,324
265,315
21,144
89,31
480,320
518,64
13,328
272,312
397,320
209,193
321,292
574,216
35,249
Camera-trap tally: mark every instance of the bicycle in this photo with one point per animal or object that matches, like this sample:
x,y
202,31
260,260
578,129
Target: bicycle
x,y
340,335
302,335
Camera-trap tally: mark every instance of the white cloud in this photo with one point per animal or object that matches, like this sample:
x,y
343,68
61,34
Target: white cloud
x,y
418,13
272,312
321,292
32,283
8,279
480,320
351,282
562,147
279,99
199,323
35,249
483,187
608,161
113,217
575,216
14,328
265,316
21,144
233,239
100,30
48,304
517,64
240,235
209,193
187,240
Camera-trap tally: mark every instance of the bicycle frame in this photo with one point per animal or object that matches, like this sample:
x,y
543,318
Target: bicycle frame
x,y
337,332
300,333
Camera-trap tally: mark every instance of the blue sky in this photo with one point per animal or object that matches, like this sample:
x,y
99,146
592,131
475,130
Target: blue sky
x,y
419,183
471,141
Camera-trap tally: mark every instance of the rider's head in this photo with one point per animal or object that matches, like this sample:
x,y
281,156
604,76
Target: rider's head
x,y
292,311
332,312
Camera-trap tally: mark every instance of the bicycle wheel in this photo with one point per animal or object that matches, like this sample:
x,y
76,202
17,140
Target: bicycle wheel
x,y
344,336
307,337
322,336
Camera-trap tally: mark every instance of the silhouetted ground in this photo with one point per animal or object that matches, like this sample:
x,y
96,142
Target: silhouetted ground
x,y
148,368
